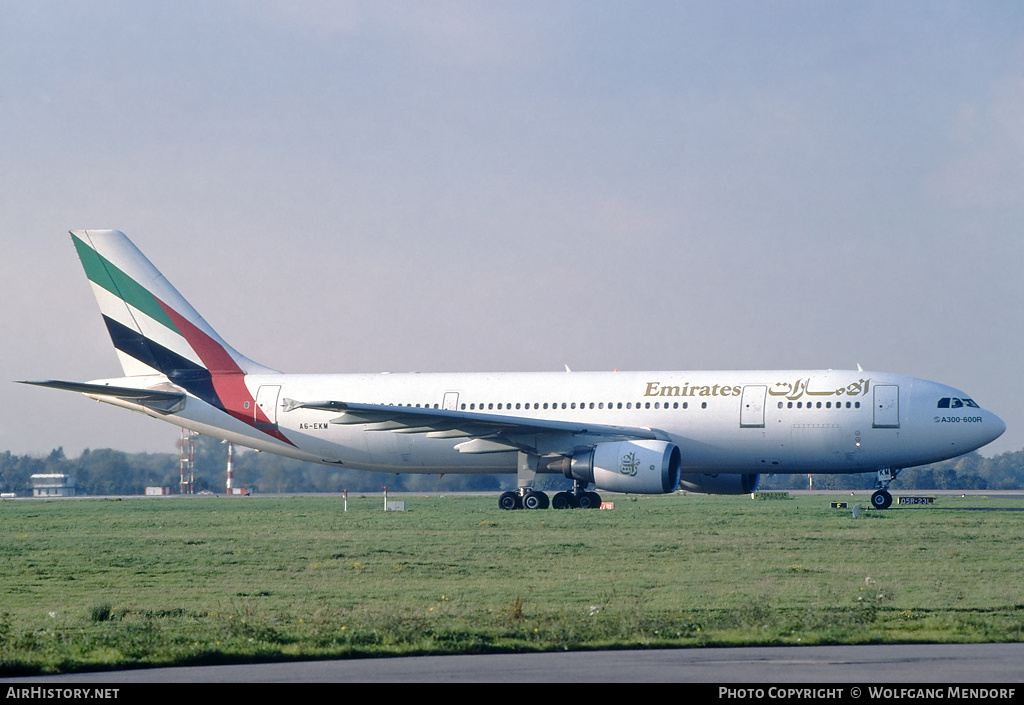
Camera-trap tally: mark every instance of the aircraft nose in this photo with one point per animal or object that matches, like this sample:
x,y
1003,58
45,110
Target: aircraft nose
x,y
994,428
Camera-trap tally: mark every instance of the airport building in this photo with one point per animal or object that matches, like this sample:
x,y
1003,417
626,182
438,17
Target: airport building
x,y
53,485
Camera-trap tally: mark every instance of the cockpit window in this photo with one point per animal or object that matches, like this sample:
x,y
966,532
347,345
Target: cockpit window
x,y
954,403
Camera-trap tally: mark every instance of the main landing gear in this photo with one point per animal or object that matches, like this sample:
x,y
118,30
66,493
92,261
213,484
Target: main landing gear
x,y
881,499
528,498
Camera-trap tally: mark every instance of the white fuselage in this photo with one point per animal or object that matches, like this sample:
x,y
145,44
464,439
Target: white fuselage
x,y
722,421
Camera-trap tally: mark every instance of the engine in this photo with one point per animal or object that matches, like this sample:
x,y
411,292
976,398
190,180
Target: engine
x,y
640,467
725,483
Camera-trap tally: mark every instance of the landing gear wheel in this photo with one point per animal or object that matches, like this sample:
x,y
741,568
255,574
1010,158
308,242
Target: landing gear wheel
x,y
535,500
589,500
509,500
563,500
881,500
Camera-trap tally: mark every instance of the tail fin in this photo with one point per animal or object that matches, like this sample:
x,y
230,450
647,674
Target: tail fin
x,y
153,328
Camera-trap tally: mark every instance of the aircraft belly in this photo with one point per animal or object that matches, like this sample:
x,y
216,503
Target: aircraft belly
x,y
783,446
718,448
383,451
417,453
207,420
332,443
820,446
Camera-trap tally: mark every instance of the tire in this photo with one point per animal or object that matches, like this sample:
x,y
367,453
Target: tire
x,y
563,500
881,500
535,500
509,500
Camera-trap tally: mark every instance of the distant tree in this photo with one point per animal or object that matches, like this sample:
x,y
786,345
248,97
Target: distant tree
x,y
15,471
1006,471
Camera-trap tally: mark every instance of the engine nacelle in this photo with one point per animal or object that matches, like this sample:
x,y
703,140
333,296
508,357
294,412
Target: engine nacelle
x,y
639,467
724,483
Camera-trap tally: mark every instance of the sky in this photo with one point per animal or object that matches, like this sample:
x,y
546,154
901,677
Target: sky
x,y
505,185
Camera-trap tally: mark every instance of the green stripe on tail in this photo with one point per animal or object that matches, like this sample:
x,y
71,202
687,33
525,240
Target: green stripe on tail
x,y
105,274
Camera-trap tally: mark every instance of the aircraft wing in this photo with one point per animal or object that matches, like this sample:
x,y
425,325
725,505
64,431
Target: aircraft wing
x,y
485,433
164,401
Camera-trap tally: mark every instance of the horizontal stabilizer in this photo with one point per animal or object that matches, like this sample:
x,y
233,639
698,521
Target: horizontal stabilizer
x,y
160,400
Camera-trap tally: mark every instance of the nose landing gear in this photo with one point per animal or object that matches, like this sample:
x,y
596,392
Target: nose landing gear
x,y
881,499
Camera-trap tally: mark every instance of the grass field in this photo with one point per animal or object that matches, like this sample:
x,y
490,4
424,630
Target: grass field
x,y
101,583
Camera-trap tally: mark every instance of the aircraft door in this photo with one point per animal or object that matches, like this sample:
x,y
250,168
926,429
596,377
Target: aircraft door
x,y
887,406
265,413
451,401
752,406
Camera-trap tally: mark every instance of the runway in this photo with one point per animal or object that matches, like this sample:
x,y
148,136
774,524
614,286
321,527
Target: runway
x,y
878,664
